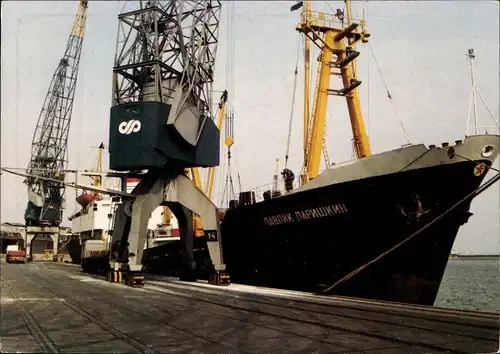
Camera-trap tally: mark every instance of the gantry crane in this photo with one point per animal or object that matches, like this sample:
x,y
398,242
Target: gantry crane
x,y
161,121
46,199
336,36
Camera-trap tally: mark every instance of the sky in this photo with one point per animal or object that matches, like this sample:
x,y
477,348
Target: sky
x,y
417,50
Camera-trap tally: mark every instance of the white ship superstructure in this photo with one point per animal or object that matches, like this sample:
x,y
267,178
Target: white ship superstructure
x,y
92,221
95,219
159,231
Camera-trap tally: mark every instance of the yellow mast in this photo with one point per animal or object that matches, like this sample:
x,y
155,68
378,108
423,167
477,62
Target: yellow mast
x,y
97,179
361,141
307,77
336,42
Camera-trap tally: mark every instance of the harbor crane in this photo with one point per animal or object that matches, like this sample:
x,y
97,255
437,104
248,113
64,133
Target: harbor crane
x,y
49,153
161,121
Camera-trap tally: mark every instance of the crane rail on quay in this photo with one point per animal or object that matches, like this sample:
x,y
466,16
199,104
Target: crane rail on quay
x,y
168,315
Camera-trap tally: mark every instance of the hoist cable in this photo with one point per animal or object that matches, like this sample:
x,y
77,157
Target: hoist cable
x,y
231,193
230,111
221,183
293,103
229,104
385,85
237,172
368,121
389,94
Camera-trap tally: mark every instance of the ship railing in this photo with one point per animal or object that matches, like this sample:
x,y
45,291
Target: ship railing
x,y
160,238
490,130
259,191
164,238
162,234
326,20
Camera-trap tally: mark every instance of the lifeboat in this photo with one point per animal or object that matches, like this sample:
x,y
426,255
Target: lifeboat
x,y
86,198
132,182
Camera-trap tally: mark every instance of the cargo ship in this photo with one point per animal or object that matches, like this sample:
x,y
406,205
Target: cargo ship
x,y
381,226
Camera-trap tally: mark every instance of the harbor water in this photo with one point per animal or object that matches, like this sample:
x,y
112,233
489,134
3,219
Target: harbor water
x,y
471,284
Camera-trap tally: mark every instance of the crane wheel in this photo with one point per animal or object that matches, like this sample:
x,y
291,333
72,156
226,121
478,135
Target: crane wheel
x,y
134,280
114,276
219,277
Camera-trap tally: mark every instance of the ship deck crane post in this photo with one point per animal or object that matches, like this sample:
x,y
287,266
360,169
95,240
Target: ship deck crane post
x,y
46,199
161,121
335,35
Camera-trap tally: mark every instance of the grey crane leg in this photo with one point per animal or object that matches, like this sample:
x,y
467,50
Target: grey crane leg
x,y
176,190
182,190
130,227
185,219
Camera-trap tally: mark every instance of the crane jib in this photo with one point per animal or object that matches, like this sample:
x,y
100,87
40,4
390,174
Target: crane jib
x,y
46,199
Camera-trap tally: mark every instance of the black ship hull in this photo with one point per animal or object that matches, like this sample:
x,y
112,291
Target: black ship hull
x,y
308,240
74,249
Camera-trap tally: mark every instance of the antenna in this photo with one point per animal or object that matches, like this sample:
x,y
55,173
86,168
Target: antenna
x,y
472,103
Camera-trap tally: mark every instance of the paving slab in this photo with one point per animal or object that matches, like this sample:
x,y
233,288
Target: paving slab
x,y
54,307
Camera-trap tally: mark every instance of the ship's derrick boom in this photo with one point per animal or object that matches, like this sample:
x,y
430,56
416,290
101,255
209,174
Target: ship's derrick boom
x,y
50,140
